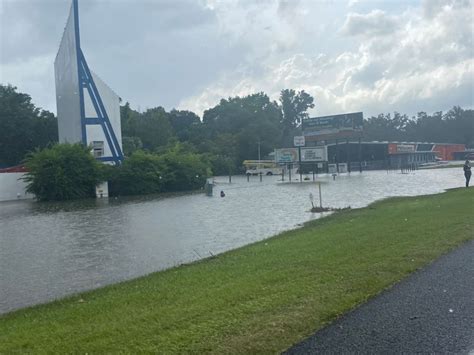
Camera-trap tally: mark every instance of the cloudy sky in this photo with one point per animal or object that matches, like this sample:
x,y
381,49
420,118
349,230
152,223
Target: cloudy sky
x,y
354,55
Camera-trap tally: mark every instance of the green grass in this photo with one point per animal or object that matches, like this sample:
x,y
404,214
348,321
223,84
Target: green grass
x,y
261,298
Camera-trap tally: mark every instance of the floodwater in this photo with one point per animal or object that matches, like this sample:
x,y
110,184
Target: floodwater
x,y
50,250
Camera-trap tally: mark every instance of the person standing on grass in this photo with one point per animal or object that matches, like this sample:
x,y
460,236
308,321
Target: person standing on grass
x,y
467,172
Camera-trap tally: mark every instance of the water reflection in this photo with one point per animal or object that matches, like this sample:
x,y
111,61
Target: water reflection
x,y
48,250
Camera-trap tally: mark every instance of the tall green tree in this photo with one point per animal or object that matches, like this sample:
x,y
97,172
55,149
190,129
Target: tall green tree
x,y
246,121
128,120
23,126
294,107
183,123
154,128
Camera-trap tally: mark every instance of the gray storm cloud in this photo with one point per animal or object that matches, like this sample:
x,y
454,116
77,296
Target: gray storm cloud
x,y
355,55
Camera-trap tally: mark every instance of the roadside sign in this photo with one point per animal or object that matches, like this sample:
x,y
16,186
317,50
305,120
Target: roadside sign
x,y
286,155
314,154
336,126
298,141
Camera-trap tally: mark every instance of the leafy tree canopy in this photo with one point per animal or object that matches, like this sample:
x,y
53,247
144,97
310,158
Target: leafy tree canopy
x,y
183,123
455,126
238,125
23,126
229,132
294,106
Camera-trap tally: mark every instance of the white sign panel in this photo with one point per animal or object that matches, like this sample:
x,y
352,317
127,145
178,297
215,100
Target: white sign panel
x,y
314,154
405,148
67,85
298,141
286,155
349,122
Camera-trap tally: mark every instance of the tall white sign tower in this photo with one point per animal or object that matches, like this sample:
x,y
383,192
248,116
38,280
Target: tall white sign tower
x,y
88,110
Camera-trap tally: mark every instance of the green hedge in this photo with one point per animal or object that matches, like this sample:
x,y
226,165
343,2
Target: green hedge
x,y
62,172
68,171
145,173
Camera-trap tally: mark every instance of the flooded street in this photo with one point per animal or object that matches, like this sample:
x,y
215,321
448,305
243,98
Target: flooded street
x,y
49,250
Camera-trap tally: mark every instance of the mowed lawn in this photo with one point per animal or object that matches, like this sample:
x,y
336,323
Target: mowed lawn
x,y
260,298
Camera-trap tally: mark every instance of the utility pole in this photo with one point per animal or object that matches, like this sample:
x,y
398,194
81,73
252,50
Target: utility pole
x,y
299,163
258,152
299,141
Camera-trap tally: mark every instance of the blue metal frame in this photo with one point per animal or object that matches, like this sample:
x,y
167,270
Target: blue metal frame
x,y
86,81
75,12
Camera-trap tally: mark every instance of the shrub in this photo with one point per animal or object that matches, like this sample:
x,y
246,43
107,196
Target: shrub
x,y
184,171
67,171
141,173
62,172
222,165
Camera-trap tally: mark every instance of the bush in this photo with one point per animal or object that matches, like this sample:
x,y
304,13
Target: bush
x,y
67,171
222,165
184,171
141,173
146,173
62,172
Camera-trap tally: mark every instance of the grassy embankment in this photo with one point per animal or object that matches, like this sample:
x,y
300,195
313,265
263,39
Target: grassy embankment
x,y
260,298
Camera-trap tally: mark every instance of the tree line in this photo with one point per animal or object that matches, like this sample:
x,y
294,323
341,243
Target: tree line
x,y
454,126
227,134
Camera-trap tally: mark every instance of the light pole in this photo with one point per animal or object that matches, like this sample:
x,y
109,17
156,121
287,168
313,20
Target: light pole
x,y
258,153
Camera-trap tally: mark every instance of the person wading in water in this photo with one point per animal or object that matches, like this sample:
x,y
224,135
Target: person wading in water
x,y
467,172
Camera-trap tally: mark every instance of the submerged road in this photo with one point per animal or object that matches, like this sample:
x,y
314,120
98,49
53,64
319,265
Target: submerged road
x,y
432,311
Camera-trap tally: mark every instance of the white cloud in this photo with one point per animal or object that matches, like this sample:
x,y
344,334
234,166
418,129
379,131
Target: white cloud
x,y
352,3
375,23
431,8
191,54
405,62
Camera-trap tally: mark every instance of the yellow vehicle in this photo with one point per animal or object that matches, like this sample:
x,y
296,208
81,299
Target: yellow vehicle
x,y
264,167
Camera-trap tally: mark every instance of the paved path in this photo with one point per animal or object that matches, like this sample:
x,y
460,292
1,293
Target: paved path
x,y
432,311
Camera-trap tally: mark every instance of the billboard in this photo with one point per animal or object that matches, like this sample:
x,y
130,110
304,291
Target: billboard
x,y
111,102
314,154
88,110
67,86
286,155
310,154
336,126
